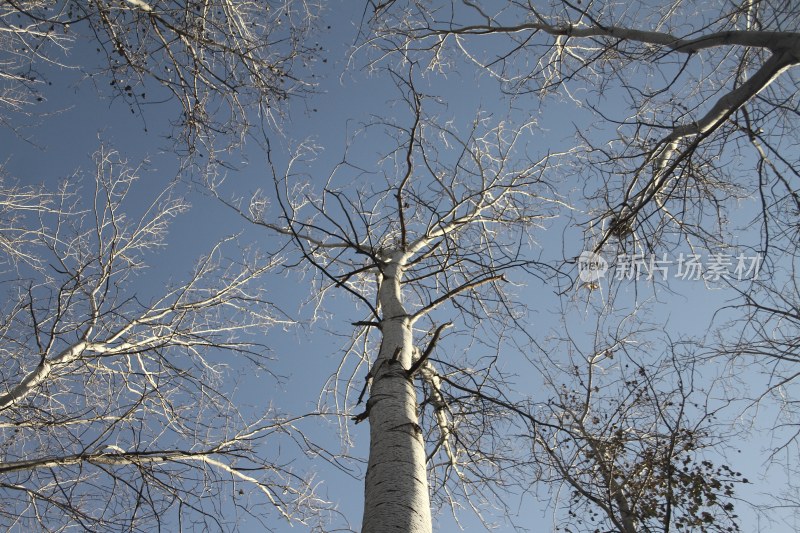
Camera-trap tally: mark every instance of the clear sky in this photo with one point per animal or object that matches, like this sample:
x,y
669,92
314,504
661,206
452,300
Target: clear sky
x,y
76,117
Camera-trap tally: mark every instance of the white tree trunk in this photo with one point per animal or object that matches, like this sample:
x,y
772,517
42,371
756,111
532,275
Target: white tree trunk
x,y
396,487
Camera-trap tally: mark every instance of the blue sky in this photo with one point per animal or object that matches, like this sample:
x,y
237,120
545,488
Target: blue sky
x,y
71,123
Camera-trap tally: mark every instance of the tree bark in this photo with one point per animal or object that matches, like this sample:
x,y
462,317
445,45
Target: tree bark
x,y
396,487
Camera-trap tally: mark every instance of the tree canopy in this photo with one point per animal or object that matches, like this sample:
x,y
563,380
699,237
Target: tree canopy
x,y
550,248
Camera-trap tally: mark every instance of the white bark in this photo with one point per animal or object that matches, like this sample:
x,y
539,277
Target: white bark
x,y
396,488
35,378
771,40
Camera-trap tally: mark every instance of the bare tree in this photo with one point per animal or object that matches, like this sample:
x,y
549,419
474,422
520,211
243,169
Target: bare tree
x,y
634,442
693,146
430,245
224,64
429,239
116,409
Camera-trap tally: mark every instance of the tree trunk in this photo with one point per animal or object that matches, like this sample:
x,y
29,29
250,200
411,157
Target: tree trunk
x,y
396,487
